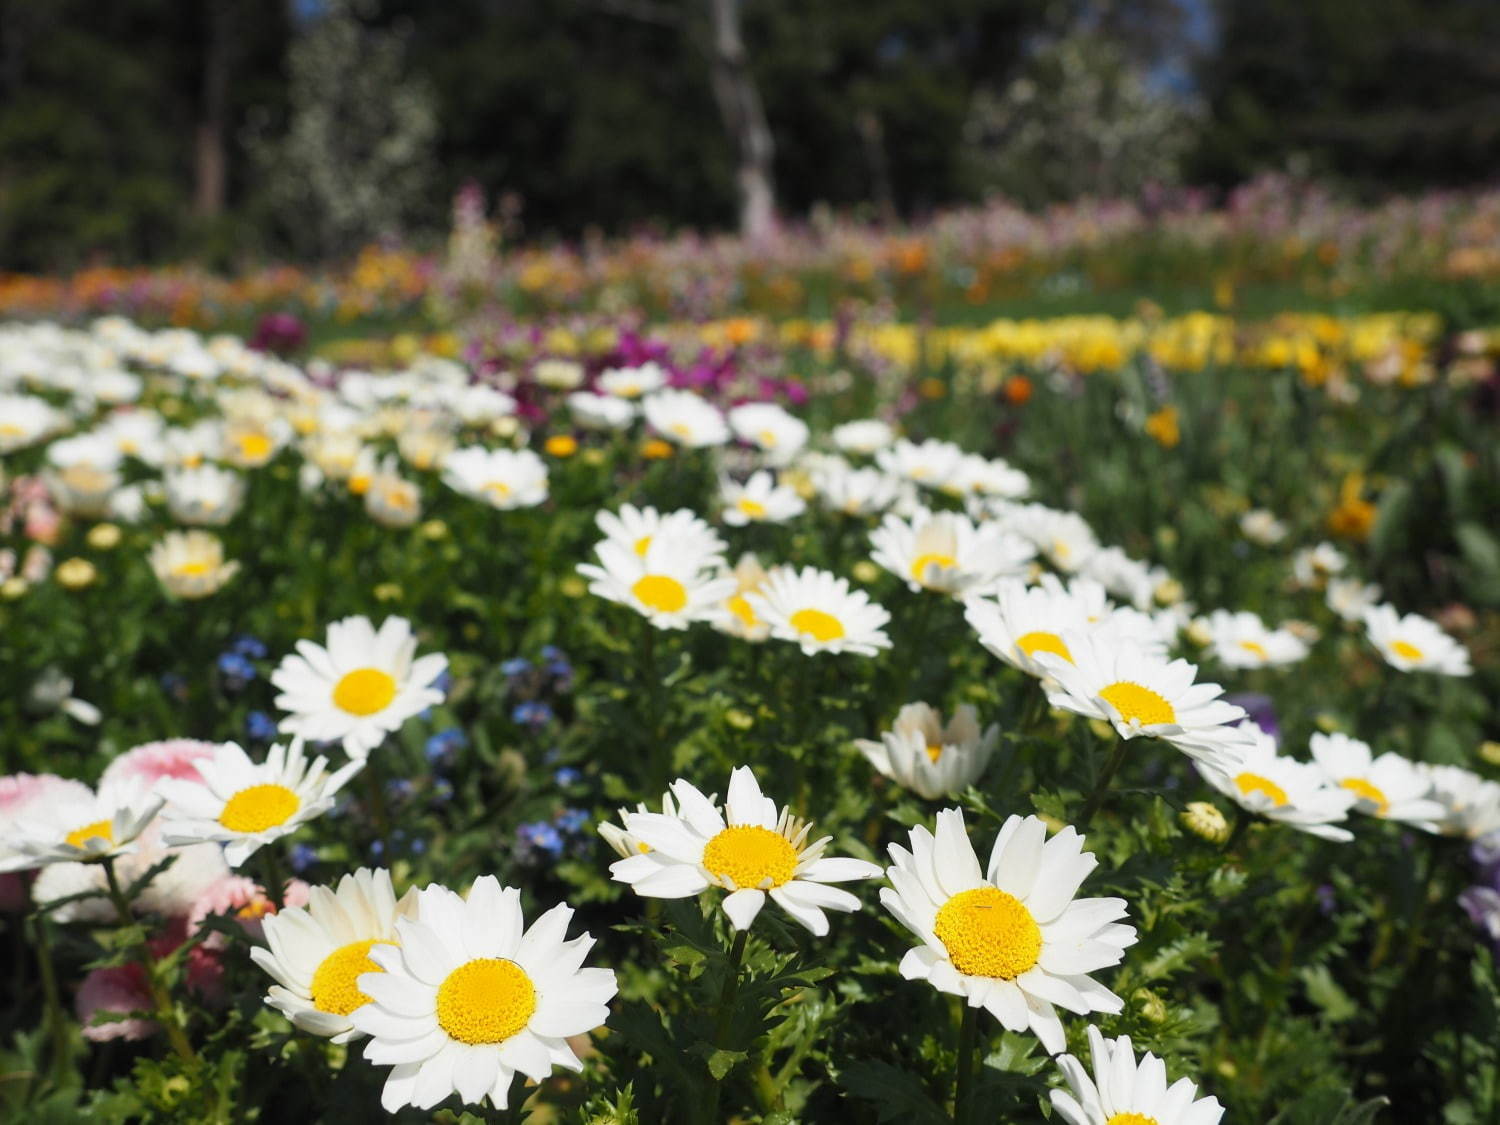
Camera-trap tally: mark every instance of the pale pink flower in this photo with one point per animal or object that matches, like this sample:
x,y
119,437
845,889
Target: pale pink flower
x,y
152,761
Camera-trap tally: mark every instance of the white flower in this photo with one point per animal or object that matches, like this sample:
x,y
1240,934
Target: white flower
x,y
741,620
390,499
776,433
467,998
945,552
633,382
1390,787
1415,644
1122,576
1349,597
600,412
190,564
1144,695
1311,566
1262,527
246,806
819,611
82,826
636,528
759,500
558,374
26,420
206,495
749,849
316,954
625,843
359,688
1024,620
928,758
865,435
932,464
502,478
855,492
672,585
981,476
1471,804
1064,538
685,419
1122,1092
1242,640
1009,938
1294,793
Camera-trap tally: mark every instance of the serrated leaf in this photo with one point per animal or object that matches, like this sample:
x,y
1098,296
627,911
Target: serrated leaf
x,y
899,1096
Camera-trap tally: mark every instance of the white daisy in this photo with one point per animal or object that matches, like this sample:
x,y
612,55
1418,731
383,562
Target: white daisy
x,y
633,382
1243,640
1312,566
317,953
864,435
625,843
635,528
1023,621
391,500
748,849
359,688
932,464
1144,695
1124,1092
600,412
945,552
741,620
1009,938
671,584
79,826
1064,538
468,998
930,759
1298,794
205,496
1136,582
26,420
761,499
1471,804
1415,644
1349,597
190,564
1389,786
855,492
246,806
685,419
1262,527
502,478
779,435
820,612
983,476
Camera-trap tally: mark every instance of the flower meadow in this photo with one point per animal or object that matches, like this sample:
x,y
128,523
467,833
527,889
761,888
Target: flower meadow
x,y
1084,720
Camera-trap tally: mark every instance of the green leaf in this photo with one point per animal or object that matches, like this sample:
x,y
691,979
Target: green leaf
x,y
899,1096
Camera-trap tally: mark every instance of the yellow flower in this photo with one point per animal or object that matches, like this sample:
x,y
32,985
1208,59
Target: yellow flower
x,y
1354,517
561,445
76,574
103,537
656,450
13,587
1163,426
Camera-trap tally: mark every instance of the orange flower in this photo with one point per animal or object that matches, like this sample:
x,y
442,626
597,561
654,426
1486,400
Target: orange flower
x,y
656,450
1354,517
1018,390
1164,428
561,445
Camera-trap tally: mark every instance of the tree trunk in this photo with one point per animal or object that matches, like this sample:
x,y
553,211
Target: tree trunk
x,y
745,120
210,160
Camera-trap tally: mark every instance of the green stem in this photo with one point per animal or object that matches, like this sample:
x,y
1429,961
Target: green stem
x,y
273,874
1101,787
659,753
963,1086
57,1028
725,1016
166,1012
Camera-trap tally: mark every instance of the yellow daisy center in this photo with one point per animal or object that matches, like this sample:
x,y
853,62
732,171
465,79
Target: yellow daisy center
x,y
10,429
741,608
99,830
1367,792
253,446
681,429
486,1000
988,933
1138,704
1131,1119
767,438
192,568
660,592
359,485
747,856
1406,650
1248,783
754,509
818,625
498,489
1035,642
1255,649
364,691
934,752
259,807
335,985
919,567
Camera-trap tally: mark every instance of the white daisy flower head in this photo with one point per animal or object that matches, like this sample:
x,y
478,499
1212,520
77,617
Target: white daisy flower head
x,y
761,499
748,848
83,489
137,433
633,382
601,412
988,477
741,620
79,825
820,612
190,564
1262,527
1139,584
558,374
1023,621
246,806
1142,695
1297,794
1063,538
779,435
1471,804
204,496
1312,566
685,419
26,420
928,757
249,443
931,464
360,686
672,585
317,953
864,436
391,500
501,478
1388,786
1349,598
1122,1091
1243,640
627,845
856,492
1010,937
468,997
635,529
946,553
1413,643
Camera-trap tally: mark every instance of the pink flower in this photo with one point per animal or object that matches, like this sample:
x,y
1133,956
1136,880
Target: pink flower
x,y
152,761
18,793
119,990
245,900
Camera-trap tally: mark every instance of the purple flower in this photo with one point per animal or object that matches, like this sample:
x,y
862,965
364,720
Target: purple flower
x,y
1260,708
259,727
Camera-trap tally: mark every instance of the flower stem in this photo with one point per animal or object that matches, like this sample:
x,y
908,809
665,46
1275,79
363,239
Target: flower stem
x,y
1101,786
963,1085
725,1016
166,1012
57,1029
